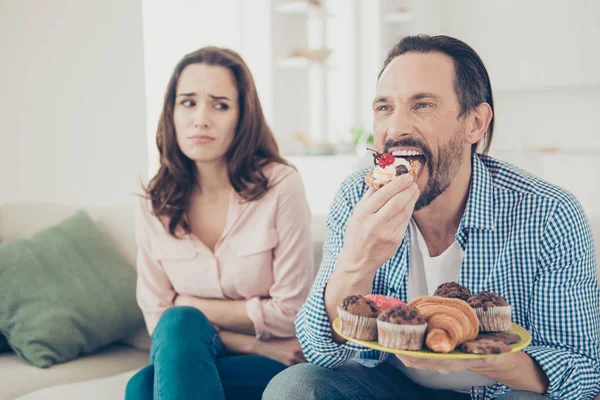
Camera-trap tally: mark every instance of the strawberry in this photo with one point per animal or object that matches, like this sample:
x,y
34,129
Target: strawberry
x,y
386,159
384,302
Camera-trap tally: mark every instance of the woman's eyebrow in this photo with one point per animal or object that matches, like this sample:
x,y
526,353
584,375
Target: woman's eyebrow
x,y
215,97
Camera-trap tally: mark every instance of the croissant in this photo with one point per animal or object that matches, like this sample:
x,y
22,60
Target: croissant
x,y
450,322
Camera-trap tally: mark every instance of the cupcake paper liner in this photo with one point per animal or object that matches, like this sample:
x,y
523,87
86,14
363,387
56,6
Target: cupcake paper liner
x,y
495,319
356,326
401,337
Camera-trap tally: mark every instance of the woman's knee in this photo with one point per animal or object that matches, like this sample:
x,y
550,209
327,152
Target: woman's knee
x,y
184,330
140,386
182,319
301,381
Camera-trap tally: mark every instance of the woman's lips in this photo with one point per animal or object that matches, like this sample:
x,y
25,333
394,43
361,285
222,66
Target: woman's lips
x,y
201,139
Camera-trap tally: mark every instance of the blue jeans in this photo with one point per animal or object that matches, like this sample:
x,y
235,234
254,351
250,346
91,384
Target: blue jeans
x,y
188,361
353,381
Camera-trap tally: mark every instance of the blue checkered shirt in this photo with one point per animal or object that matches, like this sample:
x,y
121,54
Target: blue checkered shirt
x,y
523,238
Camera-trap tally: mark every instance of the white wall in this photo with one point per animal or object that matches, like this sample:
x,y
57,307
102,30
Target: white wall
x,y
534,44
173,29
542,57
72,101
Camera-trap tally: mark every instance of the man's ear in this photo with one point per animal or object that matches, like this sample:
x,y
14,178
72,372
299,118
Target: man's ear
x,y
479,120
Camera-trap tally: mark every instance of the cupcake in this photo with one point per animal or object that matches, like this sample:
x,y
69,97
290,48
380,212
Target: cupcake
x,y
358,318
388,166
493,312
384,302
401,327
453,290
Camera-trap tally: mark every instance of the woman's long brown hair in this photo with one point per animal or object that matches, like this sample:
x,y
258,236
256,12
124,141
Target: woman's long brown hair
x,y
253,146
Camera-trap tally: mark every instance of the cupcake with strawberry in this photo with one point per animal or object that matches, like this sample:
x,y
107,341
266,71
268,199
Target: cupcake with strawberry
x,y
387,167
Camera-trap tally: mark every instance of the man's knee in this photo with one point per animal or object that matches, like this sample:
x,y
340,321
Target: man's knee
x,y
302,381
520,395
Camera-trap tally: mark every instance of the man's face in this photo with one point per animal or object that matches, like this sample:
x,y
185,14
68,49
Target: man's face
x,y
416,115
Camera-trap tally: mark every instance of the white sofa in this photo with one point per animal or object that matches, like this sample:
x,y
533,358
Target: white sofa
x,y
104,374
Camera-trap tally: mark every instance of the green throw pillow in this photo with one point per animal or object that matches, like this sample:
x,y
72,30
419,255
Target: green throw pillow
x,y
65,292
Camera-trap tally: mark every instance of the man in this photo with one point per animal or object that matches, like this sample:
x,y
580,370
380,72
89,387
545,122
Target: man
x,y
467,218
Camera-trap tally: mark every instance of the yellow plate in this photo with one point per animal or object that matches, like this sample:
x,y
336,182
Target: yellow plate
x,y
426,353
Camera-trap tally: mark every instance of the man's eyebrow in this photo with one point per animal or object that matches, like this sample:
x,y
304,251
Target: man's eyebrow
x,y
417,96
425,95
381,99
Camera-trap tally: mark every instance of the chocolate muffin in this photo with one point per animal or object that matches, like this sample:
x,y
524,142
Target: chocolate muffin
x,y
493,312
506,337
358,317
401,327
485,346
453,290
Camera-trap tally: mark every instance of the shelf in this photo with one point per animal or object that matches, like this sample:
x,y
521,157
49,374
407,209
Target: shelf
x,y
299,8
399,17
551,151
293,62
298,62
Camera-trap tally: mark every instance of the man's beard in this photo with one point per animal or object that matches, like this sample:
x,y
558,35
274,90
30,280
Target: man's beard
x,y
442,170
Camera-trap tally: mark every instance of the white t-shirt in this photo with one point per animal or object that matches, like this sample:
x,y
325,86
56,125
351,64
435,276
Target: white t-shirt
x,y
425,274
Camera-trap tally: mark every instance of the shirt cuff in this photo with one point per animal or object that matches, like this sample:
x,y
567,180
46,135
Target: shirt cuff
x,y
257,316
558,366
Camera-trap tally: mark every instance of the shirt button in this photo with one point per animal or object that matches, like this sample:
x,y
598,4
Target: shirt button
x,y
392,290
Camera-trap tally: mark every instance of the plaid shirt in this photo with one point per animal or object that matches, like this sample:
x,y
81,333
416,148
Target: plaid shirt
x,y
524,239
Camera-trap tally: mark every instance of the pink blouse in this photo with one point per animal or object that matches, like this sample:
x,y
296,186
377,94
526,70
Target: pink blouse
x,y
264,256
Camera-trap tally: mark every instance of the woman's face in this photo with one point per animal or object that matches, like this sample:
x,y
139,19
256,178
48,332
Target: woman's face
x,y
206,112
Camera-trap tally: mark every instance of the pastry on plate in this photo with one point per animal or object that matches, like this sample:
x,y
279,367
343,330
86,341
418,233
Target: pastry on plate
x,y
401,327
493,311
450,322
358,317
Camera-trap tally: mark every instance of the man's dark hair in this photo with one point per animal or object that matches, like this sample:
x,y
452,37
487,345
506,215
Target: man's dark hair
x,y
471,84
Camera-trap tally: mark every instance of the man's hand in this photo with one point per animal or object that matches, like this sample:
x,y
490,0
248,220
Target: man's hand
x,y
518,371
286,351
376,228
450,366
373,234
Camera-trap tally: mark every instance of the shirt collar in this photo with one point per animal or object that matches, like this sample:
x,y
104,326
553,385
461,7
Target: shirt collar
x,y
479,213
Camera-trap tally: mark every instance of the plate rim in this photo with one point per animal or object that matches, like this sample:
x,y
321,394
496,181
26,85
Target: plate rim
x,y
455,355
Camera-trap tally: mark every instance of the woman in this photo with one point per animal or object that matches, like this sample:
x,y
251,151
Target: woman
x,y
224,247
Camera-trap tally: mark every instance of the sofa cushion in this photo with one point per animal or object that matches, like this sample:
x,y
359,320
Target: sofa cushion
x,y
108,361
65,292
112,387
